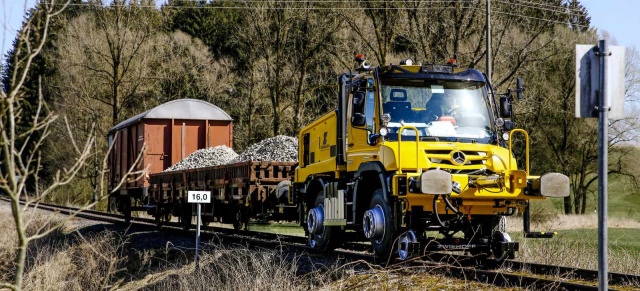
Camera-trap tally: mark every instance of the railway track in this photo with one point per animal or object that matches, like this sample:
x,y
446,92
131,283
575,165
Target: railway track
x,y
509,273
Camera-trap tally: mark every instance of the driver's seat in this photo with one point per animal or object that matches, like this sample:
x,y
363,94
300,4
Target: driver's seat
x,y
399,108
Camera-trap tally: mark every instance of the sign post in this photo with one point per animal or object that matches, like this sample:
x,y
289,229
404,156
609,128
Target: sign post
x,y
198,197
600,93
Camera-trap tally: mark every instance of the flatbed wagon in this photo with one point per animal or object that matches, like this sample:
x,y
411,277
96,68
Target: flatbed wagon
x,y
240,191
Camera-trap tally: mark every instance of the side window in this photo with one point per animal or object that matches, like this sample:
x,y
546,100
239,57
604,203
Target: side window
x,y
370,111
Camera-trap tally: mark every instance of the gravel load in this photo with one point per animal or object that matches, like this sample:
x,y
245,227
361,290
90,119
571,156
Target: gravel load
x,y
277,149
207,157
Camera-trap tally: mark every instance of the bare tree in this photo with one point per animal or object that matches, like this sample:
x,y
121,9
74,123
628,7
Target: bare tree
x,y
107,51
21,148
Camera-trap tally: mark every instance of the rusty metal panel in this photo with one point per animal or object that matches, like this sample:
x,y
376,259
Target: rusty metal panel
x,y
194,135
140,146
176,145
220,133
123,153
157,135
116,160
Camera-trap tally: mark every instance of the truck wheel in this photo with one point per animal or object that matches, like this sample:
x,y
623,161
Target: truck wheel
x,y
320,237
377,224
126,209
501,225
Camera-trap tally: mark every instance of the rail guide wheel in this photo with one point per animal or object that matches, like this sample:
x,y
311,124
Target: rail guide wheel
x,y
502,247
405,242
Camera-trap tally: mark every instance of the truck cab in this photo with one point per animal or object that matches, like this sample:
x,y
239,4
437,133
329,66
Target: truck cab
x,y
413,149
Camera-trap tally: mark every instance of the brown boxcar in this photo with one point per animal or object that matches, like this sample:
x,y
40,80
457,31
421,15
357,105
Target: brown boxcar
x,y
239,192
161,137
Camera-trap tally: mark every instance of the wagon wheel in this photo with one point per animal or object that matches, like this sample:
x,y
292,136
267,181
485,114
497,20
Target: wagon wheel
x,y
113,205
186,218
238,219
126,209
158,215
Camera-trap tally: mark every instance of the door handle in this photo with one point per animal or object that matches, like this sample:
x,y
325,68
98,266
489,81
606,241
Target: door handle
x,y
350,145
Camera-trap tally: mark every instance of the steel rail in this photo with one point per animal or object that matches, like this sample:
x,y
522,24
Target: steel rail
x,y
453,265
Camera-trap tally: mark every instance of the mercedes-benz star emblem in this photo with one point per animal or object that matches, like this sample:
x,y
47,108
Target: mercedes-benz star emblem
x,y
459,157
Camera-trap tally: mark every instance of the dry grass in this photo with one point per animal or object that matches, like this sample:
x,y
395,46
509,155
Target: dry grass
x,y
67,260
62,260
237,268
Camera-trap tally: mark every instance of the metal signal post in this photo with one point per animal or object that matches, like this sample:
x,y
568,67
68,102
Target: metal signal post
x,y
603,142
600,76
198,197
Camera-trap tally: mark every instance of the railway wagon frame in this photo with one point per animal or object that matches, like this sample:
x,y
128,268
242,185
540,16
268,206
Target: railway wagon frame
x,y
239,191
157,139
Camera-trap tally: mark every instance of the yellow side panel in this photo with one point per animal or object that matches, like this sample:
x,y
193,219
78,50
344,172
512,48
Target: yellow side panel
x,y
322,148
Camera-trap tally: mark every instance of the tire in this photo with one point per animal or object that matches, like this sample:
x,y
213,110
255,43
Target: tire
x,y
383,246
501,225
328,240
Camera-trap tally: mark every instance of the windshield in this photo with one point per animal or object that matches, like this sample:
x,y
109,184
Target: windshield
x,y
441,110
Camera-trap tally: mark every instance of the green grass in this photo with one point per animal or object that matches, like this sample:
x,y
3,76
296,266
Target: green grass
x,y
623,200
578,247
279,228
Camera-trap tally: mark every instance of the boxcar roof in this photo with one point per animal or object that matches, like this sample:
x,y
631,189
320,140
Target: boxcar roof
x,y
178,109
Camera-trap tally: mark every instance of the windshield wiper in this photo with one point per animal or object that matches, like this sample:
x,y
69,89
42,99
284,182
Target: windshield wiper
x,y
429,138
471,140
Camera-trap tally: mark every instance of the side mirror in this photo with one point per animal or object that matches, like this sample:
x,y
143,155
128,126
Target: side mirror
x,y
508,125
505,107
358,119
519,88
358,102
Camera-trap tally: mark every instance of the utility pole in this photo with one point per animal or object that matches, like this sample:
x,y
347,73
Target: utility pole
x,y
488,48
488,37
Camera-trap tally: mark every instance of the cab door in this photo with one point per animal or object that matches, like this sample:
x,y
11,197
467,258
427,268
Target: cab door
x,y
362,123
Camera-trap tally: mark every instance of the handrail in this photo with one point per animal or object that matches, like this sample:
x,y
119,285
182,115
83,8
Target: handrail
x,y
526,136
399,162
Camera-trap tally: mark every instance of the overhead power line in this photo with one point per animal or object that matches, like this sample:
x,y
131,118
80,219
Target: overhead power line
x,y
545,5
540,8
271,7
249,7
538,18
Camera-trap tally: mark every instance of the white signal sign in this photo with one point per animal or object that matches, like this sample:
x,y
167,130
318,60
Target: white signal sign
x,y
199,196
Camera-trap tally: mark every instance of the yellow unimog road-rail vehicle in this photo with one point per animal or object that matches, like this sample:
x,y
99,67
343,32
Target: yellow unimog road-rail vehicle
x,y
416,158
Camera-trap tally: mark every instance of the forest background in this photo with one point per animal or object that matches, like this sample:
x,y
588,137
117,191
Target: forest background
x,y
273,66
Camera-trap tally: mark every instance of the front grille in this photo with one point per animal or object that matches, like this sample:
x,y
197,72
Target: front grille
x,y
444,157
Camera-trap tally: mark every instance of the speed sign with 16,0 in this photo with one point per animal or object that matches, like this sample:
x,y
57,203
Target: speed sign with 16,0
x,y
199,196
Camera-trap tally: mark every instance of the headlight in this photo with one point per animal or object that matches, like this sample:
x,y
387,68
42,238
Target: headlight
x,y
386,118
384,131
505,136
